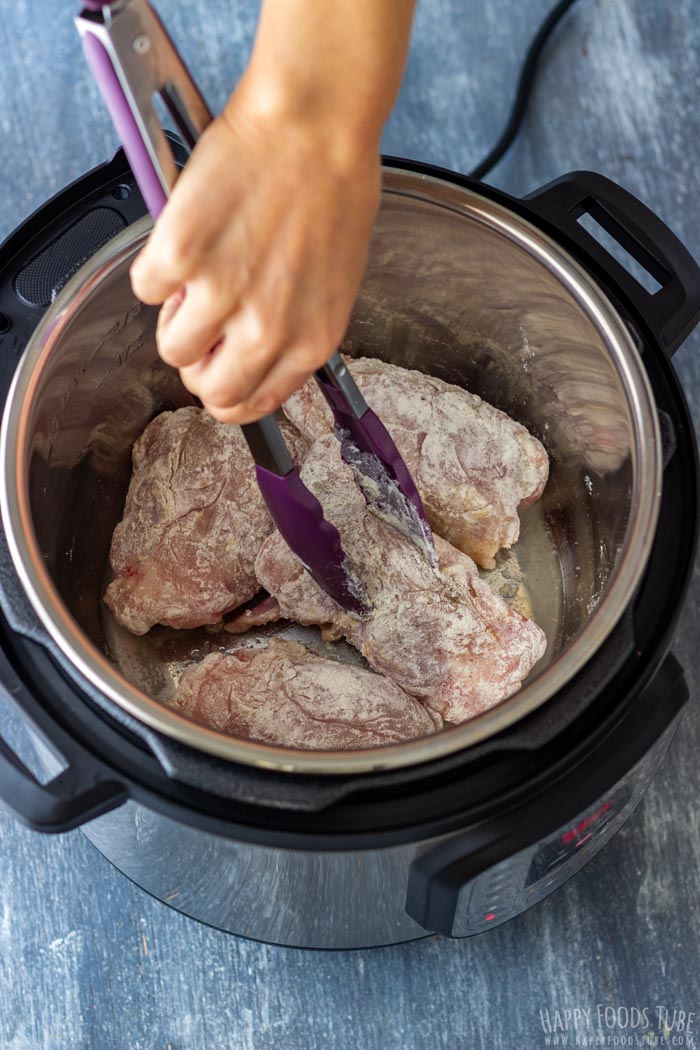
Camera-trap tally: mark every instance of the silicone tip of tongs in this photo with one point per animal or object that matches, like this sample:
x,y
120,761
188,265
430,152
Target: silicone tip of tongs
x,y
315,541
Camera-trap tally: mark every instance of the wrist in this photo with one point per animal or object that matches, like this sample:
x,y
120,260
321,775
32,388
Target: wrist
x,y
340,128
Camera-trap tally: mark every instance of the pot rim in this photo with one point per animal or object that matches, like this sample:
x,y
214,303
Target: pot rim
x,y
97,669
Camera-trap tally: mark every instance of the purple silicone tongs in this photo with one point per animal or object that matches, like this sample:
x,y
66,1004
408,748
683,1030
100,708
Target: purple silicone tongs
x,y
132,58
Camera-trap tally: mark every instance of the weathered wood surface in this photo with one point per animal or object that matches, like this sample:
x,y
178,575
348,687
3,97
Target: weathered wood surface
x,y
89,961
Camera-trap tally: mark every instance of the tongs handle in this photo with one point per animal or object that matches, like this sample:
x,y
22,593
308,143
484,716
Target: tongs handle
x,y
132,58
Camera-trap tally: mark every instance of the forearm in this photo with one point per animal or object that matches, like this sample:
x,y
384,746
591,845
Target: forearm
x,y
338,63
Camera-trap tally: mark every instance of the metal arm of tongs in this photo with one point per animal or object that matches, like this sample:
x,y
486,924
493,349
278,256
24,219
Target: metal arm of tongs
x,y
132,58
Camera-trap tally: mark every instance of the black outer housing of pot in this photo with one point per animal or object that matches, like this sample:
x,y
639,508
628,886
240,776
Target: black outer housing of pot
x,y
517,786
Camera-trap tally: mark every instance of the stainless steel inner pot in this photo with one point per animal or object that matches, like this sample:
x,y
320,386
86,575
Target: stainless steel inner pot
x,y
456,286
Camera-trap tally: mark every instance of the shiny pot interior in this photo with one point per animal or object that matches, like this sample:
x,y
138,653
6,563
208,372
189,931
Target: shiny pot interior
x,y
456,286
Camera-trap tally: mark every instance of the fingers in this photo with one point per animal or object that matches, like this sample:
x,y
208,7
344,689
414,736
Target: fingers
x,y
171,305
256,275
190,323
286,375
182,236
259,363
227,376
161,268
251,345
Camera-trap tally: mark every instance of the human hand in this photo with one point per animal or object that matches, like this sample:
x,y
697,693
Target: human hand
x,y
258,255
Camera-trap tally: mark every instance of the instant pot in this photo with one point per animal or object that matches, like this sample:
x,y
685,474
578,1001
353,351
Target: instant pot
x,y
453,834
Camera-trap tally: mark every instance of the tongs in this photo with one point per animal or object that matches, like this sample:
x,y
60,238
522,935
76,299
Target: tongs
x,y
132,59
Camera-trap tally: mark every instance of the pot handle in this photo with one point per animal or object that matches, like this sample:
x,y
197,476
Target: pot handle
x,y
671,312
82,790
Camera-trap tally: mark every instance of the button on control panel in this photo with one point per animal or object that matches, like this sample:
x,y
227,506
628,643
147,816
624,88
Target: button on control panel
x,y
514,885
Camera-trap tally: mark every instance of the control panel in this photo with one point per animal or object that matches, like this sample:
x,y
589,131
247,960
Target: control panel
x,y
476,879
509,888
519,882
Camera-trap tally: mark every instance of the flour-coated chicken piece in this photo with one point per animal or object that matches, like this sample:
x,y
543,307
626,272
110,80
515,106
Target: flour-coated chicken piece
x,y
443,636
194,521
473,465
285,694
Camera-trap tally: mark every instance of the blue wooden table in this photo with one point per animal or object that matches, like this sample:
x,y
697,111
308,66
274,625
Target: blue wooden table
x,y
89,961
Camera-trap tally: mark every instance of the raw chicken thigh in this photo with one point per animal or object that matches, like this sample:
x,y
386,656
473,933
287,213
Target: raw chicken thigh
x,y
194,520
443,636
285,694
473,465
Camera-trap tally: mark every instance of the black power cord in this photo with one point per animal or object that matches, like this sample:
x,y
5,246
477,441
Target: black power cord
x,y
524,90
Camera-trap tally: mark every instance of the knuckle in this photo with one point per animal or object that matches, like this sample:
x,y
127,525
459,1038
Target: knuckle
x,y
246,358
256,327
221,279
259,357
314,352
173,255
212,297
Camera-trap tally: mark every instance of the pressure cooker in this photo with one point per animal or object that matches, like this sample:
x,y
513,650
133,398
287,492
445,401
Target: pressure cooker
x,y
454,834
